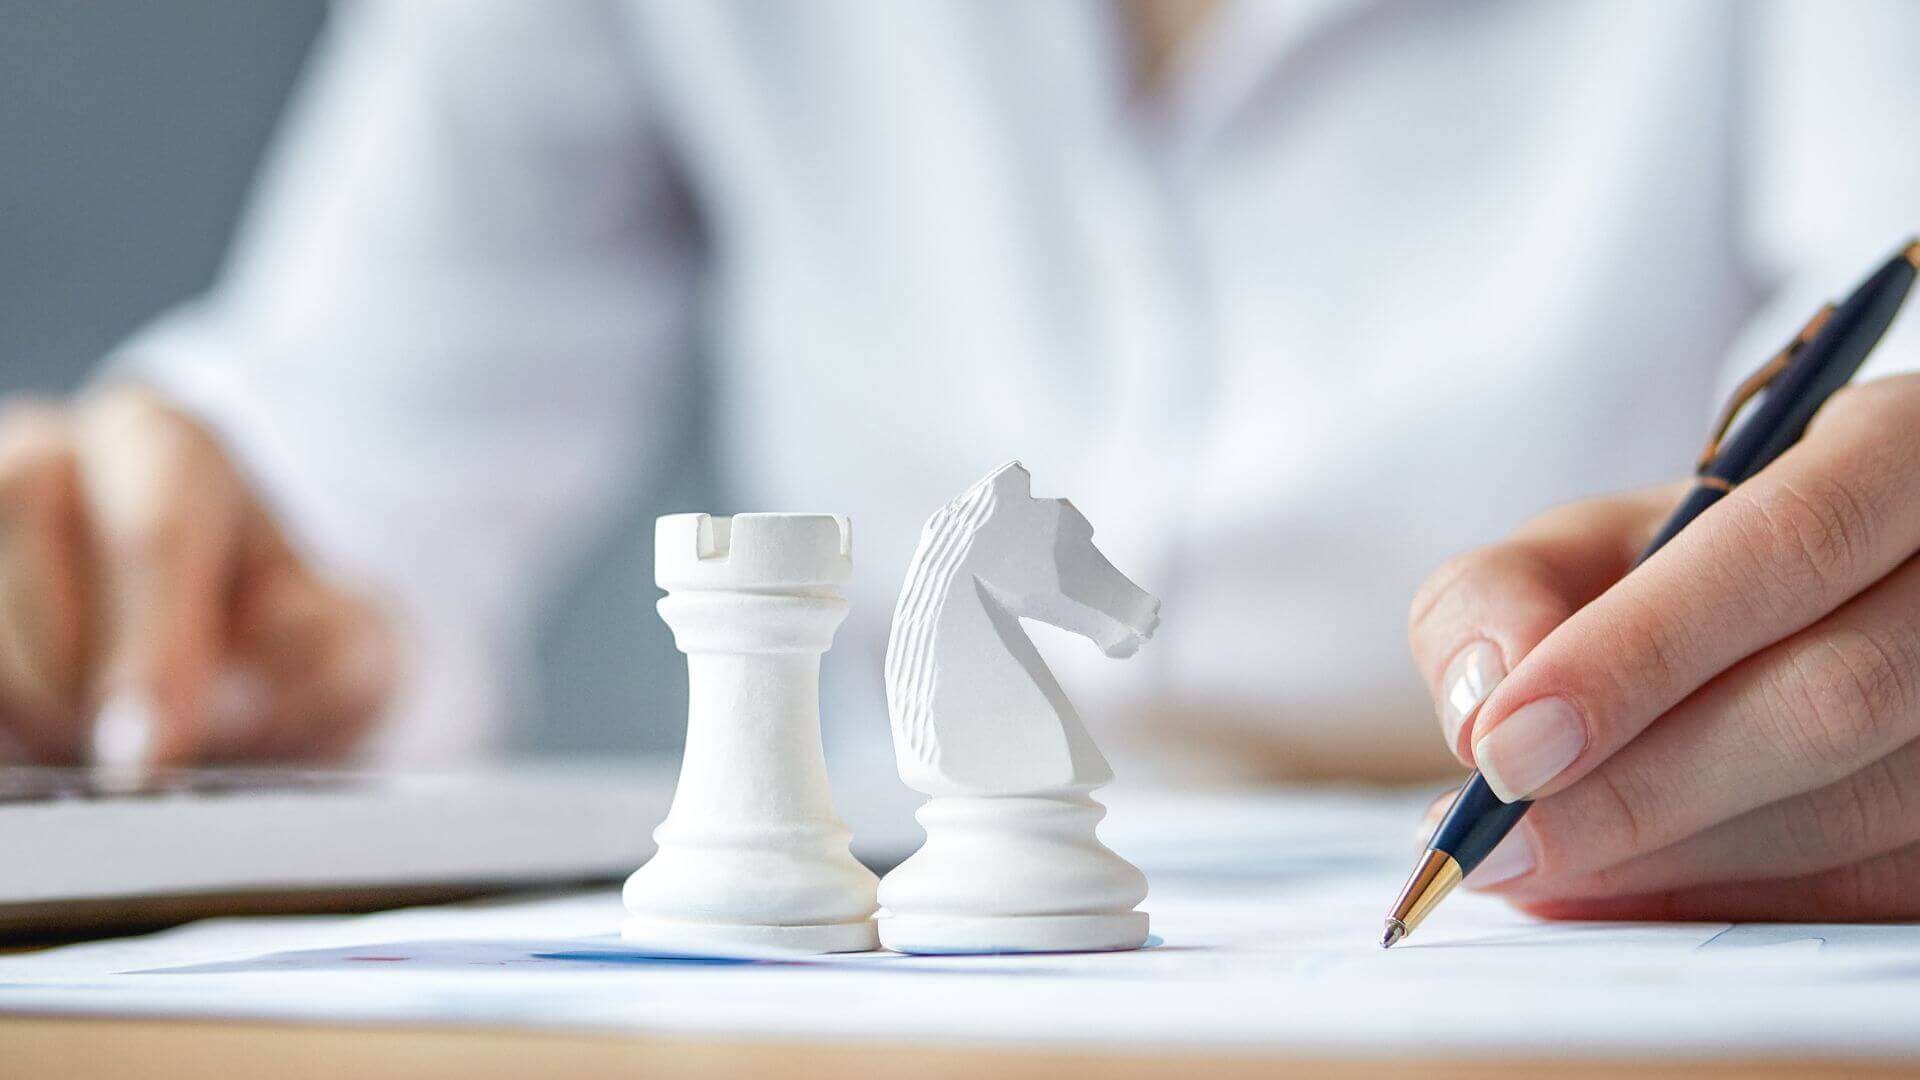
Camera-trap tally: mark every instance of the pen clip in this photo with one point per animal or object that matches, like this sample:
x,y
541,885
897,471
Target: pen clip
x,y
1758,381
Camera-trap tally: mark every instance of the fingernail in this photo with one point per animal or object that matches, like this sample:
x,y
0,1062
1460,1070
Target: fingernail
x,y
1465,684
1508,860
1532,746
122,734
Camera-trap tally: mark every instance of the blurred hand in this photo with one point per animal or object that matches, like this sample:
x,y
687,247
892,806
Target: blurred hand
x,y
1729,732
141,581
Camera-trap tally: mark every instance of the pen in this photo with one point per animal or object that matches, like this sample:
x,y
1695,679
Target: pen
x,y
1796,381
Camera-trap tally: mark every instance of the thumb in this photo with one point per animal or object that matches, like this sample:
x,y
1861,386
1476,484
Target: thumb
x,y
161,501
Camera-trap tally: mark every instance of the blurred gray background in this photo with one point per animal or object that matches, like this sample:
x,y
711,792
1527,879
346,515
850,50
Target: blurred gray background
x,y
128,134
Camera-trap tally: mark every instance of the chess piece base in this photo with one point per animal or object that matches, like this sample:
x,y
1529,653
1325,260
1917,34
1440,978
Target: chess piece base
x,y
857,936
1012,874
937,935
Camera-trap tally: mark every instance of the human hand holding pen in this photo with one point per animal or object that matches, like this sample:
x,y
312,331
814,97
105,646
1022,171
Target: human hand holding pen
x,y
1730,730
143,582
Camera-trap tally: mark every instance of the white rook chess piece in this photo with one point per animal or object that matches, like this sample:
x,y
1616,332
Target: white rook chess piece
x,y
751,852
1011,862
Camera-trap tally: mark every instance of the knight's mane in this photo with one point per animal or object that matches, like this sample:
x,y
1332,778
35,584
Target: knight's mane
x,y
944,545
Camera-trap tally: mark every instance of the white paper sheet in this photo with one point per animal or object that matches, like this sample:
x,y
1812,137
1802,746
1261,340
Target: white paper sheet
x,y
1268,911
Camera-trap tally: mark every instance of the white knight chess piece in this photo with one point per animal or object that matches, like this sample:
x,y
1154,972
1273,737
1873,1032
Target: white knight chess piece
x,y
751,853
1011,862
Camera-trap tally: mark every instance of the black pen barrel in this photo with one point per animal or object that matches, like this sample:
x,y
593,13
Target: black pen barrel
x,y
1475,823
1820,369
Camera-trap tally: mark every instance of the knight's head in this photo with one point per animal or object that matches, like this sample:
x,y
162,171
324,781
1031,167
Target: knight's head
x,y
1036,557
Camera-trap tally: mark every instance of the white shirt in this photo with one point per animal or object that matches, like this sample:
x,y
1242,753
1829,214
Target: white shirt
x,y
1360,286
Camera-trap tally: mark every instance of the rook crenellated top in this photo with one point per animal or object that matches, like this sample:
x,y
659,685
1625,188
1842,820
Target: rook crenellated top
x,y
752,551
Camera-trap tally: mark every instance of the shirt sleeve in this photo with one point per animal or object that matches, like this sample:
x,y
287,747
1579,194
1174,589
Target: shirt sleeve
x,y
1830,165
455,319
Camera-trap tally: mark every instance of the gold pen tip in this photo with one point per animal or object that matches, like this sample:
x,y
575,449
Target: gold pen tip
x,y
1912,254
1395,931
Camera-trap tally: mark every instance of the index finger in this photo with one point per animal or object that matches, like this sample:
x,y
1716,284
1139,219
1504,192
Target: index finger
x,y
161,513
1830,517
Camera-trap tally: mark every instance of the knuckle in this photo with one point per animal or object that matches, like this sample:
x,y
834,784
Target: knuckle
x,y
1630,811
1467,572
1428,598
1660,644
1855,693
1840,820
1812,535
34,444
1605,818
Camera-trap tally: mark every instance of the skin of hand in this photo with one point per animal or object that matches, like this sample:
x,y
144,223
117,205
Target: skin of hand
x,y
137,566
1726,732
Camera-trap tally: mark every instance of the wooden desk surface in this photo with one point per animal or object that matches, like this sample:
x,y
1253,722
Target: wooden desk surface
x,y
55,1048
